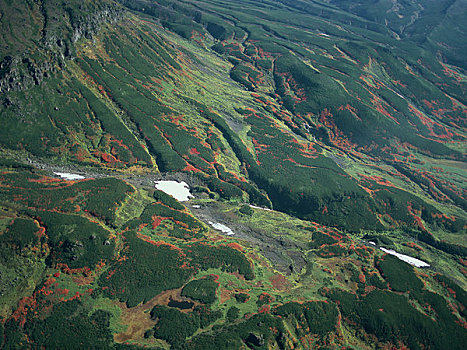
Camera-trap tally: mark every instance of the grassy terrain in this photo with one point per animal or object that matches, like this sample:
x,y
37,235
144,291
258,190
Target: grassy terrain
x,y
269,272
308,128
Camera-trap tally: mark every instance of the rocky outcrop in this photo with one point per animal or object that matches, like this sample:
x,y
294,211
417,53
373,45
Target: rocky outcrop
x,y
18,73
57,44
89,25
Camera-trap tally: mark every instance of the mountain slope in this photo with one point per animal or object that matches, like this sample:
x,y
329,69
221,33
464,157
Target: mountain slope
x,y
346,125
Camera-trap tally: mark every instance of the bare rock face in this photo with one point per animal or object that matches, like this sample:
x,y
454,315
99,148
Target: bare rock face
x,y
256,340
88,26
18,73
21,72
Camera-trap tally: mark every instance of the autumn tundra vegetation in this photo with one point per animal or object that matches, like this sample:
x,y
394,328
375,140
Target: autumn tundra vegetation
x,y
318,132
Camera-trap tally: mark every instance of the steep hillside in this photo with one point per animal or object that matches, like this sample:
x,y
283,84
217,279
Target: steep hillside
x,y
318,131
435,25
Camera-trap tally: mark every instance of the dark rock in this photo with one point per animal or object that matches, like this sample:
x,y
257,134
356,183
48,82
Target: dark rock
x,y
7,102
255,339
149,333
20,72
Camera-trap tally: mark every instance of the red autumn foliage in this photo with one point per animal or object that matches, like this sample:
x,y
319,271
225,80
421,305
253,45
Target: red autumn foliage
x,y
264,309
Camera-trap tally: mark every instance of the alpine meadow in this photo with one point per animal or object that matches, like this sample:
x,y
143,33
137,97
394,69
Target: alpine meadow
x,y
233,174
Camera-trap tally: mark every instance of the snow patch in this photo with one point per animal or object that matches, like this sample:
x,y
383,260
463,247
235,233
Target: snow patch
x,y
222,228
406,258
68,176
179,190
256,207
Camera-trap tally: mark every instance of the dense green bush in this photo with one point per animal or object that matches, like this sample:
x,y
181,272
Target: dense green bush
x,y
225,189
177,223
319,238
161,210
105,195
390,317
379,239
166,199
232,314
10,163
205,256
99,197
374,280
245,209
173,325
18,235
70,327
76,241
459,293
319,317
447,247
241,297
399,274
206,315
203,290
235,336
146,271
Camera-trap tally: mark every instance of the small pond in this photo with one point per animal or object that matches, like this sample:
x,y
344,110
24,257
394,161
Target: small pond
x,y
181,304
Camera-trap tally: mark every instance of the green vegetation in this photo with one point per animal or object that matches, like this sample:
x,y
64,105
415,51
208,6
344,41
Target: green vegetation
x,y
68,319
18,235
75,241
172,325
99,197
205,256
390,316
241,297
246,210
400,275
347,121
459,293
325,323
203,290
144,271
268,330
168,200
232,314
